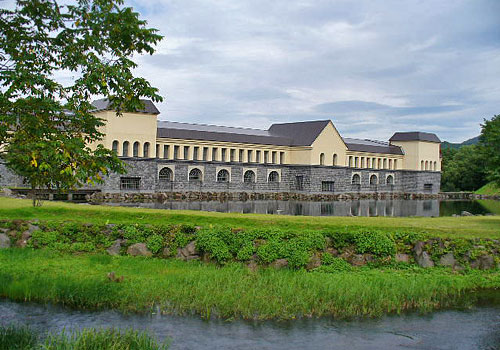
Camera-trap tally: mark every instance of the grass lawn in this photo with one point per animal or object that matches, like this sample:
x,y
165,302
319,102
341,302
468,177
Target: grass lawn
x,y
81,281
468,227
489,188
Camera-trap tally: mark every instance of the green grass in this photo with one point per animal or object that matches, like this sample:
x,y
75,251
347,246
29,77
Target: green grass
x,y
467,227
230,291
24,338
489,189
492,206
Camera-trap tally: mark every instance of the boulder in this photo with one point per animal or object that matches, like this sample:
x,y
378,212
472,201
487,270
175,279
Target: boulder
x,y
424,260
279,264
166,252
190,249
4,241
448,260
418,248
314,262
4,230
252,265
357,260
466,213
115,248
486,262
139,249
32,228
400,257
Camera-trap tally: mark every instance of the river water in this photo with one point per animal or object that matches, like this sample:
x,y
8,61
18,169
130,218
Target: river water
x,y
368,207
475,329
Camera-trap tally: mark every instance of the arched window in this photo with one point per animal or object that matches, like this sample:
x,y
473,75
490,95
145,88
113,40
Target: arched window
x,y
166,175
390,180
334,159
390,163
373,179
145,151
223,176
114,147
356,179
249,177
426,165
422,165
435,166
125,149
322,159
135,151
195,175
379,163
273,176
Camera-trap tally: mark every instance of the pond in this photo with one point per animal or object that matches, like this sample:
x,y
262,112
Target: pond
x,y
367,207
475,329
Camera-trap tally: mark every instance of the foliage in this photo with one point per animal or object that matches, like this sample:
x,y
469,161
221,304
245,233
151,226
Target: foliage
x,y
14,337
490,141
463,169
332,264
47,127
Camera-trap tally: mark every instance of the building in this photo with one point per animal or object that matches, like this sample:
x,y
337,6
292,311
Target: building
x,y
310,157
304,157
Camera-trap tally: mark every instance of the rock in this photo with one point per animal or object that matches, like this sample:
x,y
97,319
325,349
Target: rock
x,y
279,264
4,241
7,192
20,243
332,251
252,266
139,249
424,260
26,235
474,264
466,213
418,248
357,260
32,228
190,249
166,252
448,260
4,230
400,257
314,262
115,248
486,262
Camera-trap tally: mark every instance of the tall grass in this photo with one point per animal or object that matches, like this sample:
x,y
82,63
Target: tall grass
x,y
230,291
24,338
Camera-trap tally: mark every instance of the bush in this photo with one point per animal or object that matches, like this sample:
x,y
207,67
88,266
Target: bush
x,y
377,243
335,265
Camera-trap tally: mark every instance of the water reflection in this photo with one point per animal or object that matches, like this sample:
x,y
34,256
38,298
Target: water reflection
x,y
337,208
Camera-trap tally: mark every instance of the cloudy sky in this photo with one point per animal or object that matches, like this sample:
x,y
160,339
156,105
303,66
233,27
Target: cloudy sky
x,y
373,67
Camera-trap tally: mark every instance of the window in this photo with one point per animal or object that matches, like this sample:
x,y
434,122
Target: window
x,y
241,154
135,151
328,186
125,149
356,162
196,150
223,176
195,175
390,163
356,180
266,157
214,154
334,161
379,165
282,157
249,156
322,159
327,209
395,163
130,183
373,180
299,182
176,152
114,147
223,154
157,151
435,166
385,163
166,175
350,162
166,151
257,156
249,177
205,153
428,187
422,165
273,176
145,151
273,157
232,155
390,180
186,152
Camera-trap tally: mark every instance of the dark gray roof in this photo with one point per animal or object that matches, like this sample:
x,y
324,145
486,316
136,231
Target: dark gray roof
x,y
103,105
372,146
289,134
415,136
300,133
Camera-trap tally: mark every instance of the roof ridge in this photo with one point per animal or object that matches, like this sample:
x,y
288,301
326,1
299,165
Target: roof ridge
x,y
215,125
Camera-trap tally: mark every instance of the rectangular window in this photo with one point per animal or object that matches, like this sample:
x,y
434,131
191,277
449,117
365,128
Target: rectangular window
x,y
205,153
428,187
130,183
328,186
186,152
273,157
232,155
249,156
257,156
157,151
266,157
166,149
195,153
214,154
176,152
299,182
327,209
241,155
282,157
223,154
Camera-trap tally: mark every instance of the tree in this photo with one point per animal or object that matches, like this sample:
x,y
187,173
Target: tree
x,y
490,141
48,133
464,169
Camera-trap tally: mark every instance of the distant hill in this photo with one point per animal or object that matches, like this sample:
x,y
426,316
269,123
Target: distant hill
x,y
472,141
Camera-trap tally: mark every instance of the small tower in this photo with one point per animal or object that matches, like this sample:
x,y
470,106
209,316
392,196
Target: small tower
x,y
422,150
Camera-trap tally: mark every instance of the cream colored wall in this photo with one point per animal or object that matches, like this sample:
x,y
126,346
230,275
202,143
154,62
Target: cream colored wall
x,y
392,161
328,142
418,151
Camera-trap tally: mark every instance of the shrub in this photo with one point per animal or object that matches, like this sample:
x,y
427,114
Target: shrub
x,y
335,265
375,242
154,243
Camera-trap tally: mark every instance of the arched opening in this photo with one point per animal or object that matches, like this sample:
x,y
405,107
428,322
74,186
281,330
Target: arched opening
x,y
145,151
379,165
135,150
334,159
390,163
435,166
356,179
114,147
125,149
223,176
249,177
195,175
422,165
373,180
273,176
390,180
166,175
426,165
322,159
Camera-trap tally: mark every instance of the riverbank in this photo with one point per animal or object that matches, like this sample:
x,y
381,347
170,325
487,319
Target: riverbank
x,y
230,291
446,227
